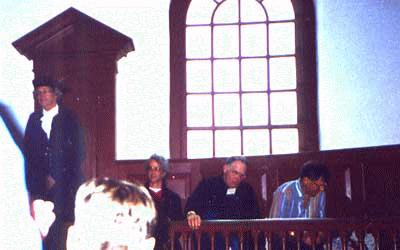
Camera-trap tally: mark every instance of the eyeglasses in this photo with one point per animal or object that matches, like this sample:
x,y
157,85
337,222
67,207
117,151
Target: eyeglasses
x,y
321,185
154,168
237,173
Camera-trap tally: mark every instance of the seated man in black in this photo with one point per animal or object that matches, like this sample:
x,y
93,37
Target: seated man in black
x,y
223,197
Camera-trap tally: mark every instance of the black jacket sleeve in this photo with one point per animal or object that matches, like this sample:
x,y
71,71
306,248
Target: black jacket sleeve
x,y
35,176
197,200
175,207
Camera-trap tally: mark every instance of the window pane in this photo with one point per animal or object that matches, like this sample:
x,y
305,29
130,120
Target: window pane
x,y
285,141
222,77
226,75
279,9
200,12
254,40
198,76
283,108
255,109
227,110
226,41
281,38
227,143
198,42
199,144
198,110
252,11
255,142
283,73
227,12
254,74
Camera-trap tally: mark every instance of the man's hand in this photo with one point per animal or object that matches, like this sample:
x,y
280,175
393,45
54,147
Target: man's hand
x,y
194,220
50,182
43,215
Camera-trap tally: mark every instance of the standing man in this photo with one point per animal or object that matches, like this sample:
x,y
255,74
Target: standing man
x,y
302,198
167,202
54,151
223,197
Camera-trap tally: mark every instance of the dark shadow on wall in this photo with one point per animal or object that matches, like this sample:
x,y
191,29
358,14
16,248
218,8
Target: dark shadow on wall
x,y
11,124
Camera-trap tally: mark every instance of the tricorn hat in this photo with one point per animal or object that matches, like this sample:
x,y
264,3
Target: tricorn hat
x,y
50,82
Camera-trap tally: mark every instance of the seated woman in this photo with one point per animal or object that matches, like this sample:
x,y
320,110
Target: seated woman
x,y
168,203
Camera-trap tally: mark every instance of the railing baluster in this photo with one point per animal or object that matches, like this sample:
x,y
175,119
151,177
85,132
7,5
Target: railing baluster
x,y
298,243
343,239
378,241
269,240
329,240
241,244
383,233
255,236
213,234
283,240
226,239
198,240
185,240
393,237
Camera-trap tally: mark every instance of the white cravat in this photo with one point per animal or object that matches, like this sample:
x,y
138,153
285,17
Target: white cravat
x,y
47,119
155,190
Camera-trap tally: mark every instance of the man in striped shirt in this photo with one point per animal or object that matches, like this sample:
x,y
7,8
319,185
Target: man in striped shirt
x,y
302,198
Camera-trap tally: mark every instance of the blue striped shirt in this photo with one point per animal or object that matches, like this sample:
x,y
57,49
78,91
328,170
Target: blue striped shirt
x,y
288,202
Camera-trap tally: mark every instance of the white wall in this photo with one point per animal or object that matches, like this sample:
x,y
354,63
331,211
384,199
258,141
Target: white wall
x,y
358,72
17,229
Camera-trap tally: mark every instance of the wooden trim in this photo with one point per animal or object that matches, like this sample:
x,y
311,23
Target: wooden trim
x,y
178,10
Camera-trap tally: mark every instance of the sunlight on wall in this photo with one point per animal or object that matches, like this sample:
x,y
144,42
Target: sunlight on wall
x,y
143,87
358,73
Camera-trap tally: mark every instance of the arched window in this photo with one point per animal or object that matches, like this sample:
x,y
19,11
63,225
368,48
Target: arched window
x,y
243,79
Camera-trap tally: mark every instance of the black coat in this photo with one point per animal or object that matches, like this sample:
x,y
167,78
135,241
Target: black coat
x,y
168,209
210,201
60,157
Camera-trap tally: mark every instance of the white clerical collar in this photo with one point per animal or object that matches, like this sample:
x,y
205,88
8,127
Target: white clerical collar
x,y
230,191
155,190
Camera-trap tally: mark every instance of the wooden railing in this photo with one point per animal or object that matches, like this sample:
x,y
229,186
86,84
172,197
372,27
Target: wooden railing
x,y
383,234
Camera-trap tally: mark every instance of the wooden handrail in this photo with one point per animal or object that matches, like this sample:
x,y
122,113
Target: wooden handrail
x,y
384,232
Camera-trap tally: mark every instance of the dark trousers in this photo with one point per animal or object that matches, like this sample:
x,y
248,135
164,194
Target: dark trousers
x,y
56,239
